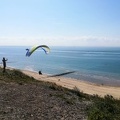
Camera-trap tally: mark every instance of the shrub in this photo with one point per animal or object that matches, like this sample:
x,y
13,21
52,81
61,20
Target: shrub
x,y
104,109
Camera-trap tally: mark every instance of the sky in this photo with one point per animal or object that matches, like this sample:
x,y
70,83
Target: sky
x,y
60,22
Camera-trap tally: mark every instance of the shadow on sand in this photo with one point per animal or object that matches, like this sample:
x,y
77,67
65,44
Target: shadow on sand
x,y
61,74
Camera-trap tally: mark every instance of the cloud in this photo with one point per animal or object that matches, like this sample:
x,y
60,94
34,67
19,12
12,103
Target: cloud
x,y
61,41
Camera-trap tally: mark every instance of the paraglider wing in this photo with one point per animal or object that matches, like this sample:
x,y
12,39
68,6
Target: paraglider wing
x,y
28,52
44,47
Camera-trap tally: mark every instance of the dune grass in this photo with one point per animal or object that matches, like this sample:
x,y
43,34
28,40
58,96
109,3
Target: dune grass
x,y
15,76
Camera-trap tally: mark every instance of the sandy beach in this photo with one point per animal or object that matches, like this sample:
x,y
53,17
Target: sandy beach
x,y
85,87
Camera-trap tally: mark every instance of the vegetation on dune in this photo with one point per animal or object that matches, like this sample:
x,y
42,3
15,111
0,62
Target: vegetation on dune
x,y
106,108
97,108
15,76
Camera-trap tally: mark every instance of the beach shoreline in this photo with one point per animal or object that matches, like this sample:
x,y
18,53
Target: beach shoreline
x,y
84,86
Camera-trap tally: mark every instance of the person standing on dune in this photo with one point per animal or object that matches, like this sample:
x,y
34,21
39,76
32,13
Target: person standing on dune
x,y
4,64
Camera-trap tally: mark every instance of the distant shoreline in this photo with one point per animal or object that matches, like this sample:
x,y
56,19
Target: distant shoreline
x,y
84,86
112,83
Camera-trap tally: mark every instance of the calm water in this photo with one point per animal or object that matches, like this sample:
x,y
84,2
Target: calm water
x,y
99,65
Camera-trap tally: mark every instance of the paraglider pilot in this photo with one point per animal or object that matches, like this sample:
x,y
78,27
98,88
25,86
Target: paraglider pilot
x,y
40,73
4,64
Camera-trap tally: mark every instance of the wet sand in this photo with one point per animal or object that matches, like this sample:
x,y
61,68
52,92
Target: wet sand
x,y
85,87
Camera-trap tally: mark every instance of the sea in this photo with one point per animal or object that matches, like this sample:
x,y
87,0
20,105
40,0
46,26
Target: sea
x,y
100,65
